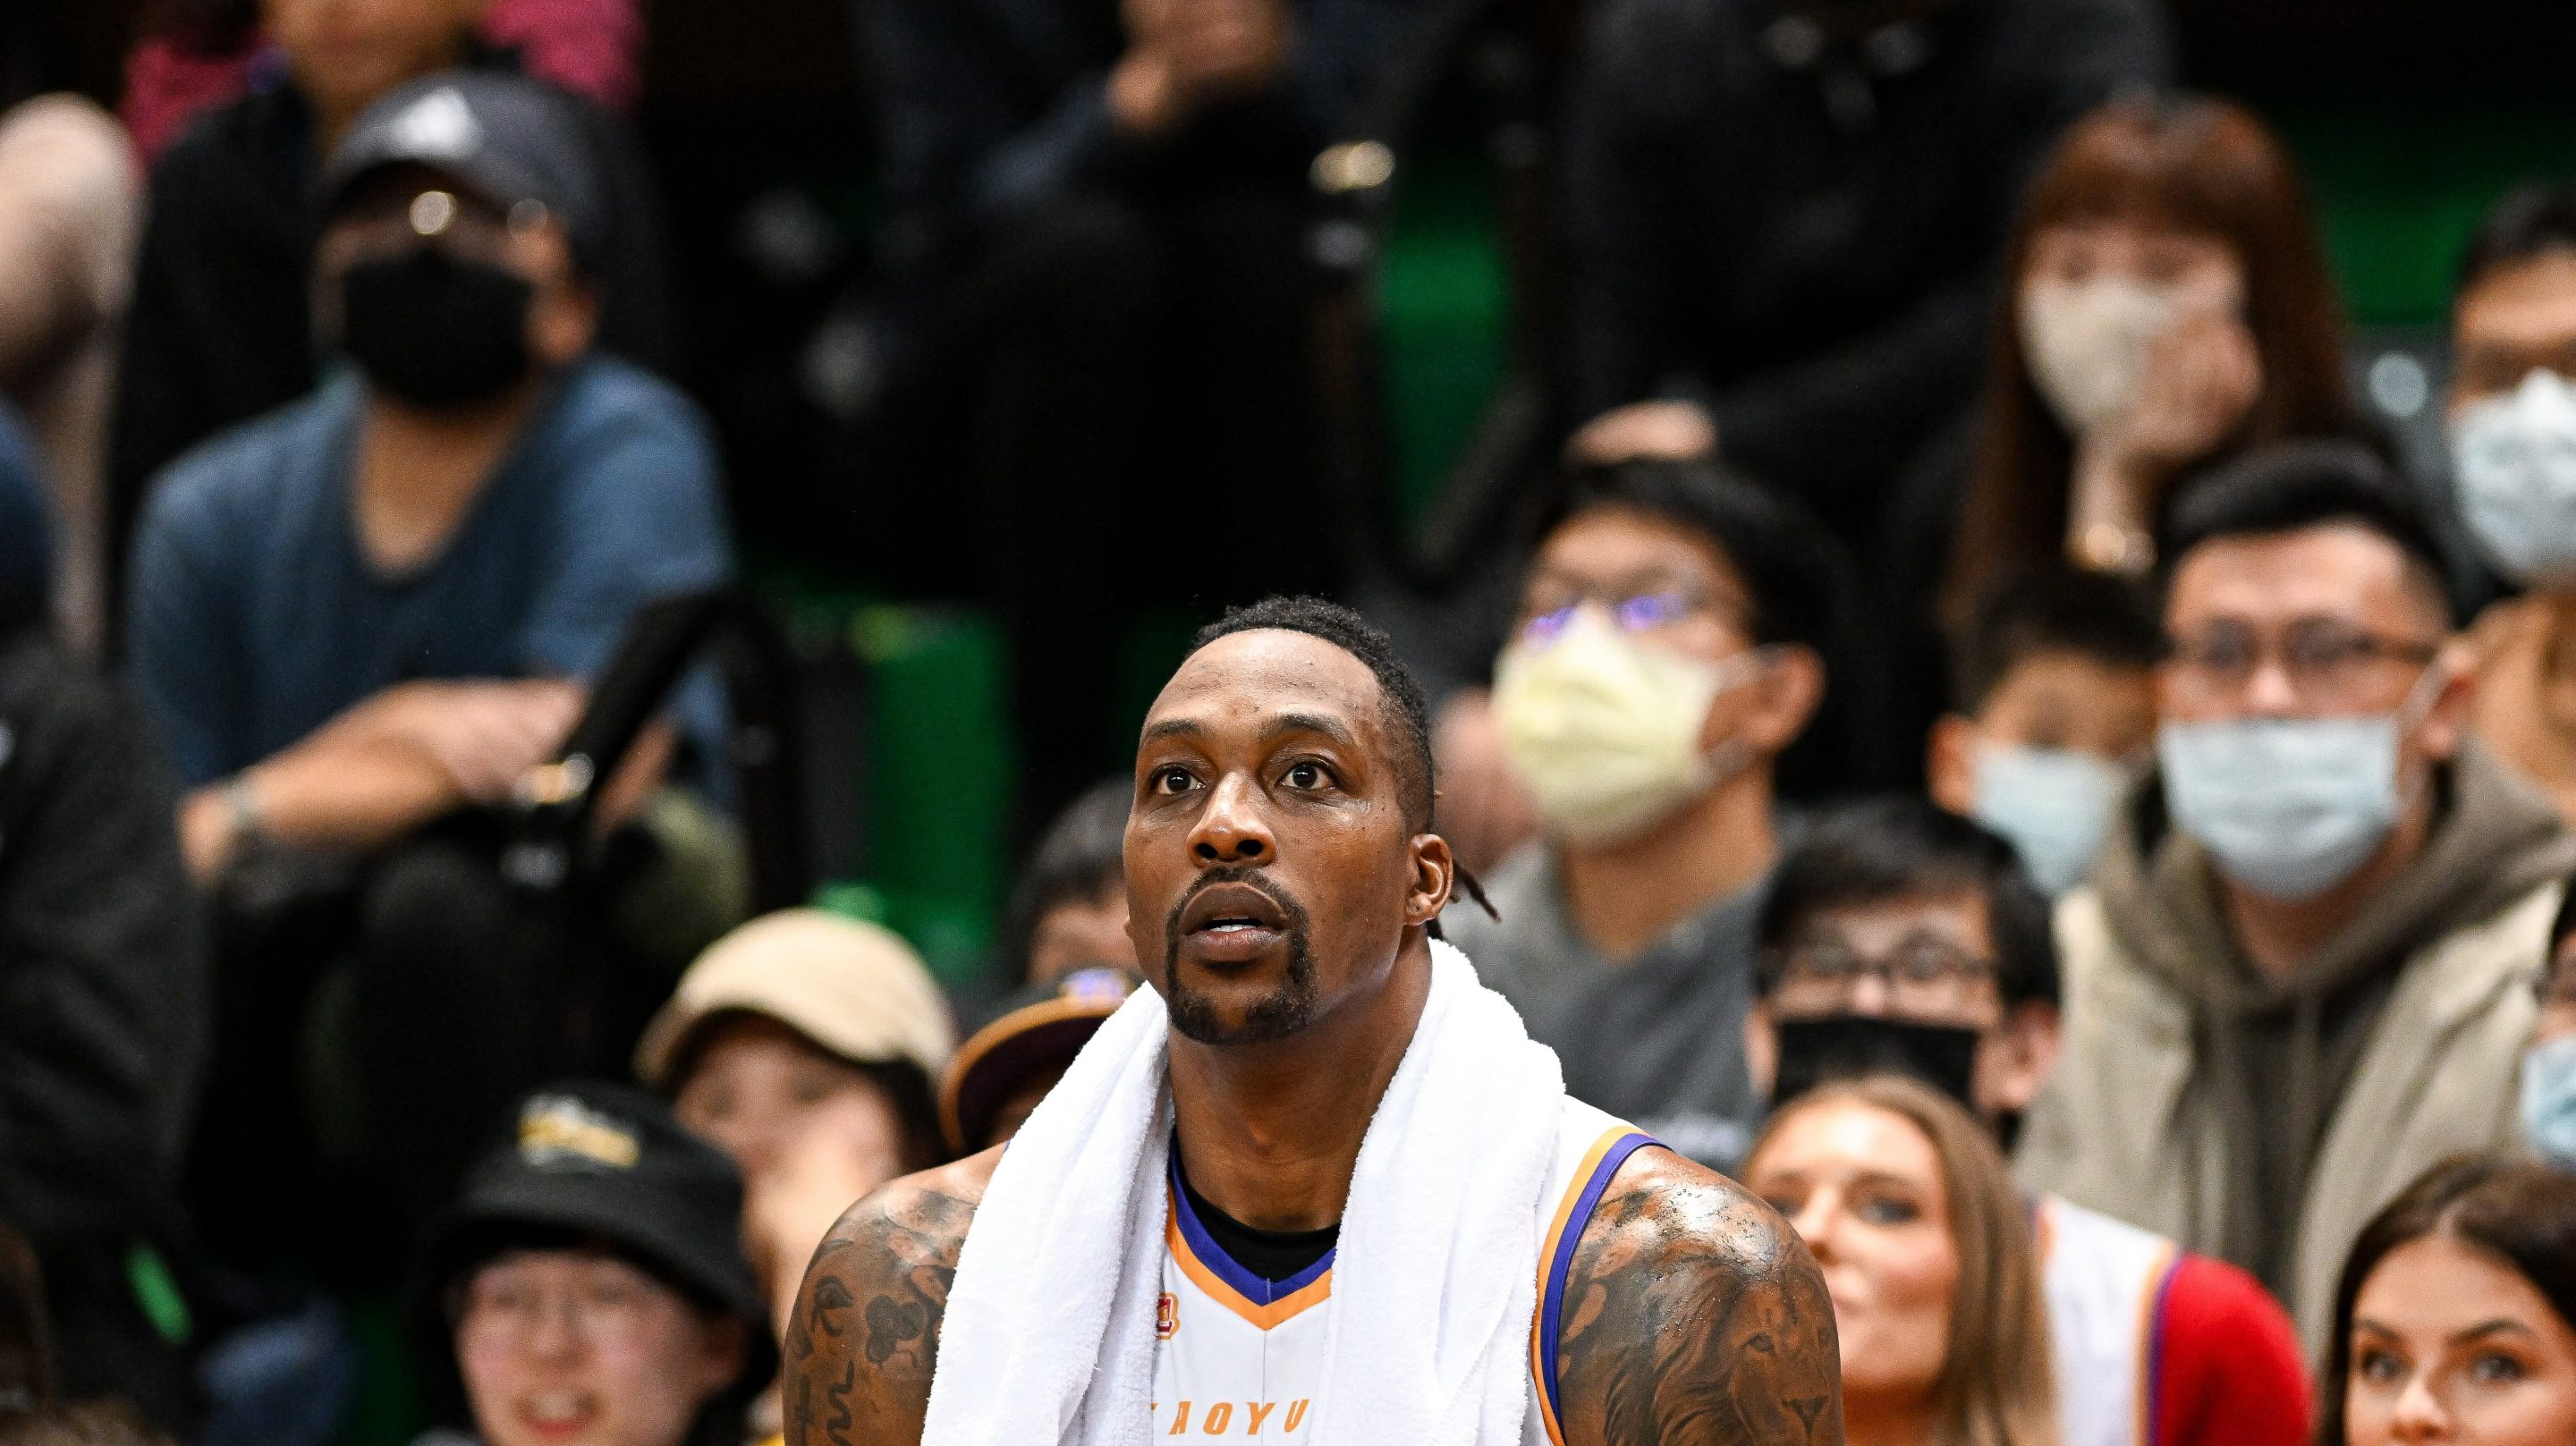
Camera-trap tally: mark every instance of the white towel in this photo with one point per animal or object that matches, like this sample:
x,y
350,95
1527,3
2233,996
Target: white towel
x,y
1049,1335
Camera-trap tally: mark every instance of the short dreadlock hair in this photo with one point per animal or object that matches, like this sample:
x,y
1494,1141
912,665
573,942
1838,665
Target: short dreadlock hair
x,y
1408,714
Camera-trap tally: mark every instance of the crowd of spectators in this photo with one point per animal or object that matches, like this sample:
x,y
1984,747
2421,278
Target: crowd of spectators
x,y
1984,745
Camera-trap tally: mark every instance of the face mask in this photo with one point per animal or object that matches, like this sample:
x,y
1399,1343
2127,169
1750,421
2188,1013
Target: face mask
x,y
2288,807
433,330
1604,732
2549,1101
2054,804
2514,459
2087,342
1846,1046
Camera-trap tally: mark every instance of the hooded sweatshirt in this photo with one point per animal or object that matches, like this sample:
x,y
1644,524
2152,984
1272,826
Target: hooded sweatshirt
x,y
2262,1065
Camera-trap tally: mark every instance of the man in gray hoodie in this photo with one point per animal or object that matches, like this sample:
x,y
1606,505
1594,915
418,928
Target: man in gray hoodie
x,y
2304,970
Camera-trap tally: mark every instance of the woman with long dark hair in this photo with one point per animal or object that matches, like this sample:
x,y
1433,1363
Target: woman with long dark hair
x,y
2456,1316
2167,305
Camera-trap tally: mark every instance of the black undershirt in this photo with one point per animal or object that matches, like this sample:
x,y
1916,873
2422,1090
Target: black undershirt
x,y
1274,1255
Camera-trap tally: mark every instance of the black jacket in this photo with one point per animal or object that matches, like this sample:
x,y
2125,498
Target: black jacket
x,y
990,110
1818,275
220,327
103,1006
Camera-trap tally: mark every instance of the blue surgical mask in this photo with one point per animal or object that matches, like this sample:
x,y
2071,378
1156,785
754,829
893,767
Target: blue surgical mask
x,y
2054,804
2549,1100
2288,807
2514,464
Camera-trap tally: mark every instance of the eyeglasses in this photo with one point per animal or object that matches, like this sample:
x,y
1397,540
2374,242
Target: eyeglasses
x,y
2325,662
1926,973
498,1311
1639,612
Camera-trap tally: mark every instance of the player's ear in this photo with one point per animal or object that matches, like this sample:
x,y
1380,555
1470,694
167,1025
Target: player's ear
x,y
1435,873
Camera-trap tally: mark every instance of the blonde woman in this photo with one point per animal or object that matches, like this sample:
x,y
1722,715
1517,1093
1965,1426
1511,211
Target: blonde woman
x,y
1927,1251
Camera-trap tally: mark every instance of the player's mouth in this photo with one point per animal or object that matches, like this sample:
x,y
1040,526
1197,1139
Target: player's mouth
x,y
1234,923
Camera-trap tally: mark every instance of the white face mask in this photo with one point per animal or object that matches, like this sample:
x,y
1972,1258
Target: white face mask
x,y
2055,806
2087,343
2514,460
1604,731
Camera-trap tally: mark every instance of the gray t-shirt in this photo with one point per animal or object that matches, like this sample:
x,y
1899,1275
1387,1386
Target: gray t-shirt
x,y
1659,1040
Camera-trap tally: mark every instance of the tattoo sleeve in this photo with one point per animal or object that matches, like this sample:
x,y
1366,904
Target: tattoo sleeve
x,y
864,1338
1694,1317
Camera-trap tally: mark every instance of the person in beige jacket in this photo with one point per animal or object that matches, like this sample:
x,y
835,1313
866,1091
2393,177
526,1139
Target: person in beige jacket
x,y
2304,969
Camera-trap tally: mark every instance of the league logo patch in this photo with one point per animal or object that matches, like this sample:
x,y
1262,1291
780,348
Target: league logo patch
x,y
558,1130
1167,1317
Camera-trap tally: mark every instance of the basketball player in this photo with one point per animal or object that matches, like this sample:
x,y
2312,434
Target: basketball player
x,y
1281,883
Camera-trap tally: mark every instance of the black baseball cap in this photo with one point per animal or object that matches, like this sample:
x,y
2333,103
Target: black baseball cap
x,y
1040,1028
611,1162
504,137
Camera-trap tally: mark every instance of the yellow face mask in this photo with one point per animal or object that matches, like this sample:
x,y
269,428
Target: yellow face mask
x,y
1605,732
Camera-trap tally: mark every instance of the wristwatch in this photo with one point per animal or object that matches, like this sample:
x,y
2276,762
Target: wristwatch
x,y
2112,547
244,817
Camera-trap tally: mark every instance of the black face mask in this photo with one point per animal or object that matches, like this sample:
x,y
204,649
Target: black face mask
x,y
1845,1046
435,330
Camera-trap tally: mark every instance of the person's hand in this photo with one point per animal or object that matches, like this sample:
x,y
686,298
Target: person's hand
x,y
2202,378
1484,812
1651,431
1184,54
1227,49
485,735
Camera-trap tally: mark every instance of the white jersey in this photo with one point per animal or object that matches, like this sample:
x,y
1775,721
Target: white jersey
x,y
1237,1355
2105,1282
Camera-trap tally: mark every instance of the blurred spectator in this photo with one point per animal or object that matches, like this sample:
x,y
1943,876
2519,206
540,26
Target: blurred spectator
x,y
370,610
69,209
1784,215
103,1003
1068,908
1096,272
1928,1255
1669,644
2054,716
2513,428
220,329
805,1046
2169,307
2166,306
1004,1069
199,54
1901,939
1896,937
2305,969
2456,1317
590,1285
2549,1065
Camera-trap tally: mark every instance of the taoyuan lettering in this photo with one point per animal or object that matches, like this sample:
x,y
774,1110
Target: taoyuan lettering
x,y
1221,1418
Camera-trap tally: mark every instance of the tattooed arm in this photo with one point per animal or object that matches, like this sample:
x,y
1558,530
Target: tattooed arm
x,y
865,1336
1693,1316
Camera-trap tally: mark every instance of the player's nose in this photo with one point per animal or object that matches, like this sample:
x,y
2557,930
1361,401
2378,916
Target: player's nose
x,y
1232,829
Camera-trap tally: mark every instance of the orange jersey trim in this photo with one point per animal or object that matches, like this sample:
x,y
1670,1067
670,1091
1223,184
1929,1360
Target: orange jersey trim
x,y
1546,1262
1262,1317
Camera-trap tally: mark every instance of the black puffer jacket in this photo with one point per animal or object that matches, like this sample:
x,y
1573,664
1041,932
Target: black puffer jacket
x,y
103,1009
